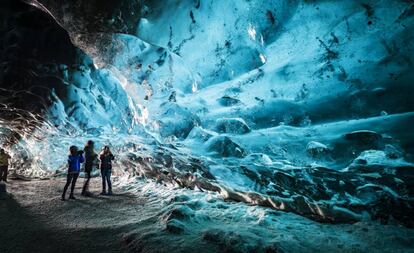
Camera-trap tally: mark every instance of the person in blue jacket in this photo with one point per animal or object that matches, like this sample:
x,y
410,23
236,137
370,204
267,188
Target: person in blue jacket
x,y
75,158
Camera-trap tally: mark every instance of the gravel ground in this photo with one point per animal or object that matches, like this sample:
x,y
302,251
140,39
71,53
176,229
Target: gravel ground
x,y
34,219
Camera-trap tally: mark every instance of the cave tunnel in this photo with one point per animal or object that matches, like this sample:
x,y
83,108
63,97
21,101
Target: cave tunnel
x,y
235,126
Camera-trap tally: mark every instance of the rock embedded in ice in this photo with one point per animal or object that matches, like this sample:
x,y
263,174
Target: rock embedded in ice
x,y
365,138
225,147
317,149
232,125
228,101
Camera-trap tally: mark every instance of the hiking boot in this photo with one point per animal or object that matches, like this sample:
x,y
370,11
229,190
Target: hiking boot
x,y
72,197
110,193
103,193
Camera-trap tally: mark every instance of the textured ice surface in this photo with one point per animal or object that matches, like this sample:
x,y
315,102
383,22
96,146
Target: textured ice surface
x,y
192,219
300,106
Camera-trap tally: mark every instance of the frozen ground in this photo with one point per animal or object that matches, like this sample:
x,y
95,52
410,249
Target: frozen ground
x,y
157,218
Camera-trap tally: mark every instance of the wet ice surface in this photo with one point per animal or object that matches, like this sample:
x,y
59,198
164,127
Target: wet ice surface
x,y
293,106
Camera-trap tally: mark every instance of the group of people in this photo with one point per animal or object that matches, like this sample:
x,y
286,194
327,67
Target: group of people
x,y
91,160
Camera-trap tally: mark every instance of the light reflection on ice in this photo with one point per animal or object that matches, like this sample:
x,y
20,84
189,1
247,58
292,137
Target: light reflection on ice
x,y
262,58
252,32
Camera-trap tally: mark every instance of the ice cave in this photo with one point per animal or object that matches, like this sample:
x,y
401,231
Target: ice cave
x,y
235,125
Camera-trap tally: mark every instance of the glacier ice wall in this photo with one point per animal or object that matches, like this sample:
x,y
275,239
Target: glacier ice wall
x,y
303,106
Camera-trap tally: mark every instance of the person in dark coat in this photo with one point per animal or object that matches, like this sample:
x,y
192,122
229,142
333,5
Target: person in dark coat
x,y
106,158
91,158
75,158
4,165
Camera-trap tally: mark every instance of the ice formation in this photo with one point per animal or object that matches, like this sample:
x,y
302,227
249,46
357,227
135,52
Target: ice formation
x,y
299,106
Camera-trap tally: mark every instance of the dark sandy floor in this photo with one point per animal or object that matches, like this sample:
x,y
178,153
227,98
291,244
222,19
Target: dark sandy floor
x,y
34,219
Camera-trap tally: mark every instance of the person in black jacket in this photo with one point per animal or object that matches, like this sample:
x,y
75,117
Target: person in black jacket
x,y
106,158
91,160
4,164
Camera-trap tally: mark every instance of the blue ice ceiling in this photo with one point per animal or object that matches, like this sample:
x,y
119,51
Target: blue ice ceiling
x,y
303,106
270,64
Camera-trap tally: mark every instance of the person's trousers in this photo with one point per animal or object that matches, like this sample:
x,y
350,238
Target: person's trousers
x,y
71,178
85,188
106,179
3,173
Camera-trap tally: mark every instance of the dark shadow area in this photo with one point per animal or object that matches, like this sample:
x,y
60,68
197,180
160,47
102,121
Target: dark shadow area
x,y
25,232
35,54
33,220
